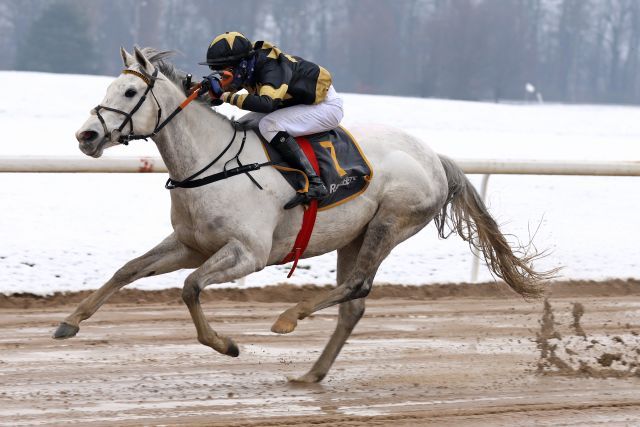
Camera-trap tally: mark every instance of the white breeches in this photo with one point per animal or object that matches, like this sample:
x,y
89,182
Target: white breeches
x,y
299,120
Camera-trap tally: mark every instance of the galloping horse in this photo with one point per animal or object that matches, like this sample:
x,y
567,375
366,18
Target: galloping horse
x,y
230,229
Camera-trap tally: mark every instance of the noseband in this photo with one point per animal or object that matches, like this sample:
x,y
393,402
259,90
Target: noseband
x,y
124,139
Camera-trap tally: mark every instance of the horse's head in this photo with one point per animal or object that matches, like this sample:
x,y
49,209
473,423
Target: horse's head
x,y
129,107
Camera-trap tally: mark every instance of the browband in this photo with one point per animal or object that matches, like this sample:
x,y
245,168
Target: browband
x,y
146,79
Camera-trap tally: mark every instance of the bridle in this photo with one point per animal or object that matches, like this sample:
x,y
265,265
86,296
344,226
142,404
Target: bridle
x,y
125,139
192,181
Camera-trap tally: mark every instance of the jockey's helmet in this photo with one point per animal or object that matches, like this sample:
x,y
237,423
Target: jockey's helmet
x,y
227,49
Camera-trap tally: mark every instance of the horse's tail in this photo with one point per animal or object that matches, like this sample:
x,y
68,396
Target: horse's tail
x,y
465,214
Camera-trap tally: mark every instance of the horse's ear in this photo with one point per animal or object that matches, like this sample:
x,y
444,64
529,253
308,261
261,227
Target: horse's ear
x,y
127,58
142,60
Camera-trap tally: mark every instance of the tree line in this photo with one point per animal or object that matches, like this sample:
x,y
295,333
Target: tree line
x,y
570,50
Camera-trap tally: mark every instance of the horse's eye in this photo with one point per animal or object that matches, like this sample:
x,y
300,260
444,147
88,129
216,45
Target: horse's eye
x,y
130,93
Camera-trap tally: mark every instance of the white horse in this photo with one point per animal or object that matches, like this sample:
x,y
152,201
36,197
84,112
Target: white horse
x,y
230,229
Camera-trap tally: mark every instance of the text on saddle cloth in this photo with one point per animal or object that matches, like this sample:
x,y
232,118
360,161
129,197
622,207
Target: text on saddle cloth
x,y
343,166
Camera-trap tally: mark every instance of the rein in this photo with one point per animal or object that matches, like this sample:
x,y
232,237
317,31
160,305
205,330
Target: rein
x,y
191,181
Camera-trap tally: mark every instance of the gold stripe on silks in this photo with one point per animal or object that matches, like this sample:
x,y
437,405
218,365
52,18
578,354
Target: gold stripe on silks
x,y
238,102
322,85
229,37
274,52
274,93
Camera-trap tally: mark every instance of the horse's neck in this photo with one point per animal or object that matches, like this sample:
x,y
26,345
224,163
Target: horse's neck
x,y
193,139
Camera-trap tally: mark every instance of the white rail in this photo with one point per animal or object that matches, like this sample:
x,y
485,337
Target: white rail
x,y
27,164
470,166
550,167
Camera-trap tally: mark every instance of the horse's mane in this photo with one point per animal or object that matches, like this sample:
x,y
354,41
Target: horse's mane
x,y
160,60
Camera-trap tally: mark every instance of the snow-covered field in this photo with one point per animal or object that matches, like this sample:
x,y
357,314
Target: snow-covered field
x,y
71,232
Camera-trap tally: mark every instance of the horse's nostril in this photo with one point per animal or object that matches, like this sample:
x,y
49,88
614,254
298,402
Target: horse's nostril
x,y
87,136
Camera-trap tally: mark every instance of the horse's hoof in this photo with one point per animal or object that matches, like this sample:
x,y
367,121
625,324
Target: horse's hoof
x,y
284,325
232,349
307,378
65,330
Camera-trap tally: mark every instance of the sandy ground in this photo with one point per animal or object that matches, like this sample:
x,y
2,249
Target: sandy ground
x,y
463,361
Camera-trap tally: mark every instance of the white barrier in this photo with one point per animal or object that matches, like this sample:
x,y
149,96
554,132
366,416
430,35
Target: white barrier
x,y
550,167
26,164
470,166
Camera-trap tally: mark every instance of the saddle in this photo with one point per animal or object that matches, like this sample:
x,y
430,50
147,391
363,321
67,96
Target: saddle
x,y
343,166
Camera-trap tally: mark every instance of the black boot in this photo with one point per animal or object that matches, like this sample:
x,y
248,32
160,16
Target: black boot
x,y
293,154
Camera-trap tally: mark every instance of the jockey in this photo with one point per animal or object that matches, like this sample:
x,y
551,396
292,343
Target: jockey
x,y
296,95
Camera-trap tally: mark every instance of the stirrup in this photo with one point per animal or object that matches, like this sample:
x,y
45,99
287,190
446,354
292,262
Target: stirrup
x,y
317,191
298,199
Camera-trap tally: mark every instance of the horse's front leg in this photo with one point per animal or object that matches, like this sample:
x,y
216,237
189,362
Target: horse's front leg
x,y
169,255
232,261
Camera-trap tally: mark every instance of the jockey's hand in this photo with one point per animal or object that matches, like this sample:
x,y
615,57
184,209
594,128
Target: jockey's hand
x,y
211,83
189,91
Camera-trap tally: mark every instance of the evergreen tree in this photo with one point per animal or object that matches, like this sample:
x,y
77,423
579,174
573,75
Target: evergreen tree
x,y
59,41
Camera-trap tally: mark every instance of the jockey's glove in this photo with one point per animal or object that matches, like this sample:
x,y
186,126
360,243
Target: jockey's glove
x,y
211,83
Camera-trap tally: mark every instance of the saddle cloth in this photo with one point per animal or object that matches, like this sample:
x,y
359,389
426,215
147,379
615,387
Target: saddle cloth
x,y
343,166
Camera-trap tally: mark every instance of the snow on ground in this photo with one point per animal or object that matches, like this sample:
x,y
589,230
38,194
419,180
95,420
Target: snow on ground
x,y
72,231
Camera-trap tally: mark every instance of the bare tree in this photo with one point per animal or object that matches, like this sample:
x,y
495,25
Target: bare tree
x,y
575,50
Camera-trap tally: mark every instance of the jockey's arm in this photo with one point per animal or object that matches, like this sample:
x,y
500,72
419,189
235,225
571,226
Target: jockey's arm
x,y
271,85
266,101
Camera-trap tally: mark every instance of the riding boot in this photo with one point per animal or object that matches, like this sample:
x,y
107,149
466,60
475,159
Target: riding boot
x,y
293,154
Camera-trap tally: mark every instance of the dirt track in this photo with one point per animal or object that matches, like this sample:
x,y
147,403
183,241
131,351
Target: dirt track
x,y
463,361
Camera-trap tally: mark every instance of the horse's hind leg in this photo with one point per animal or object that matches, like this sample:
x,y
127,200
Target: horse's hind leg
x,y
383,233
169,255
232,261
350,313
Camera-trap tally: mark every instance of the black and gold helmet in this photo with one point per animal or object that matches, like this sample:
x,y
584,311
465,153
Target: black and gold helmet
x,y
228,49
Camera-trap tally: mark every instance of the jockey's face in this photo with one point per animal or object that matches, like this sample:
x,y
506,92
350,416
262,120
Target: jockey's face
x,y
227,73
